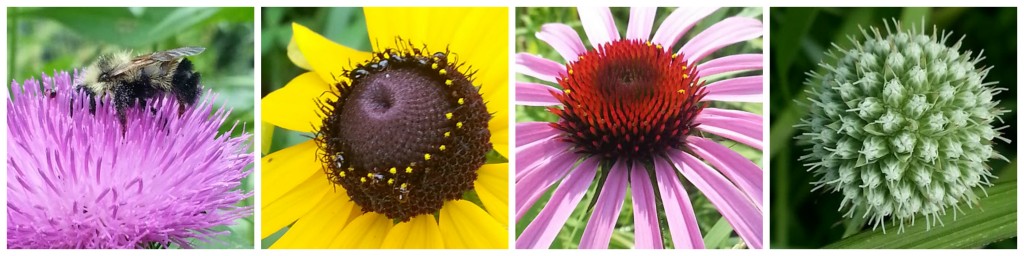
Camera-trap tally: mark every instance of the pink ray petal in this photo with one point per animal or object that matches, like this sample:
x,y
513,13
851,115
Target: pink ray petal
x,y
531,94
530,132
542,230
530,155
735,62
599,25
728,31
641,20
740,170
729,113
533,184
540,68
678,23
739,89
564,39
740,126
645,211
607,209
741,213
682,221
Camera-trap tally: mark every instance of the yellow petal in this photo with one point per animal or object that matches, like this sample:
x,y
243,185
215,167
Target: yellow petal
x,y
365,232
285,169
481,41
356,212
296,56
294,203
492,187
475,33
493,80
317,228
327,58
294,107
497,103
465,225
478,35
499,138
385,24
420,232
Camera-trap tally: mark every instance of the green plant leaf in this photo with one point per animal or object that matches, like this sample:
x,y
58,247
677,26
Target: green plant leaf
x,y
791,35
718,236
993,219
124,26
267,131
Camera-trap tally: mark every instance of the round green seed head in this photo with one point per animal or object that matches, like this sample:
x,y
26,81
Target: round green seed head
x,y
901,125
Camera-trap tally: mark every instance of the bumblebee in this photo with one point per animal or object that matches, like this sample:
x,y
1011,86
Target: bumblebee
x,y
130,80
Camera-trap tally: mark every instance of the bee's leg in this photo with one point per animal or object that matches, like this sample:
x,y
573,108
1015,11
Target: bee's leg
x,y
185,85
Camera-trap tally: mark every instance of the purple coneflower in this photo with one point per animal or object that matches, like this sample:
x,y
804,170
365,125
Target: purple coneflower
x,y
638,106
76,181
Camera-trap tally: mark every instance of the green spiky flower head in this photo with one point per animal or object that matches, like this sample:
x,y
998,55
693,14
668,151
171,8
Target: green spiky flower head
x,y
901,124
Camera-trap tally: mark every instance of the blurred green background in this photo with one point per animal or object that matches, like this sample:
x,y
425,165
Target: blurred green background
x,y
44,40
717,232
799,39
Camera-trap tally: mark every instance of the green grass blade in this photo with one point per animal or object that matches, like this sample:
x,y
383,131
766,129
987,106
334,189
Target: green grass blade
x,y
993,219
800,20
718,236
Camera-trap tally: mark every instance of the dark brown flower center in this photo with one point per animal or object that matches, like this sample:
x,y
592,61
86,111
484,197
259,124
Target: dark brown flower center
x,y
407,132
629,99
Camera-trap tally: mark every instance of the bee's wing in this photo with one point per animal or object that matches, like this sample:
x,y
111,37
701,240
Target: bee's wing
x,y
160,57
174,54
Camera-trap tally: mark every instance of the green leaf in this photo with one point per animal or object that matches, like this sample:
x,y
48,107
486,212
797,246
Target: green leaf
x,y
267,131
782,128
855,224
718,236
126,27
993,219
802,18
265,243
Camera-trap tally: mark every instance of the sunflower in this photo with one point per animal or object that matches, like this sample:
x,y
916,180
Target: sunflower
x,y
408,141
634,112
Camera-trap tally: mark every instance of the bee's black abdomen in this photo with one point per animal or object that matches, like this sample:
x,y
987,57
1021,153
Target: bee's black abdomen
x,y
185,83
126,95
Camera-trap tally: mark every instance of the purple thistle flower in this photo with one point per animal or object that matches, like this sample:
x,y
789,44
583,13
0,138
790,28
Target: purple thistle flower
x,y
76,181
641,108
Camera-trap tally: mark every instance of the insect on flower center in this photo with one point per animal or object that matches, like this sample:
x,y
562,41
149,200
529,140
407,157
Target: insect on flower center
x,y
630,99
407,132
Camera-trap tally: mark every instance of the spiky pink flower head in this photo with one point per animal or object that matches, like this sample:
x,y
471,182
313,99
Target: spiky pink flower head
x,y
76,180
